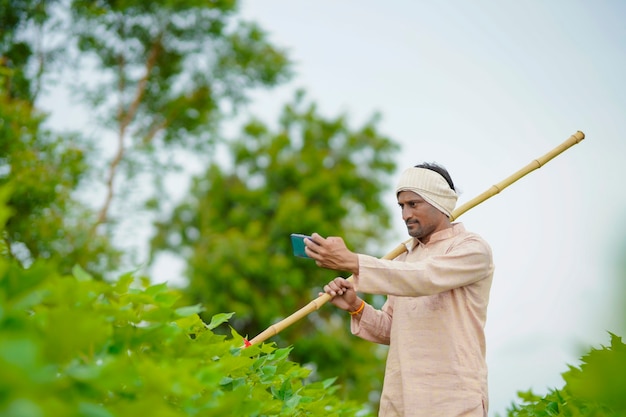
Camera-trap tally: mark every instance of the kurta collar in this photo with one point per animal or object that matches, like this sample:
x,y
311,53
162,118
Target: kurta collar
x,y
438,236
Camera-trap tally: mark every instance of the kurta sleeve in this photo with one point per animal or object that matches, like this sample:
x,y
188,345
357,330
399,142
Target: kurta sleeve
x,y
374,325
464,263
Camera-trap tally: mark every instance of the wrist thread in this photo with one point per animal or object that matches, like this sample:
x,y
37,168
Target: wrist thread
x,y
358,310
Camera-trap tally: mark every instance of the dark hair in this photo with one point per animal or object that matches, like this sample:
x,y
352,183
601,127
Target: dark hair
x,y
439,170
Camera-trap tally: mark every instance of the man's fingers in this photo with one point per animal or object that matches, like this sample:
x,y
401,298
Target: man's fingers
x,y
317,238
343,283
347,284
333,289
338,286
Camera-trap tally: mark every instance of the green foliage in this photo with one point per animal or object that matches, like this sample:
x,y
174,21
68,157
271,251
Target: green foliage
x,y
74,346
175,64
162,78
43,171
157,78
16,52
313,174
596,388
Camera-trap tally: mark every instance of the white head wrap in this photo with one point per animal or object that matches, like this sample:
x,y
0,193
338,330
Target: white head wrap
x,y
429,185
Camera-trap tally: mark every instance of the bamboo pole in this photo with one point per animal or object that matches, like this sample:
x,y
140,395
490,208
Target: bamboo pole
x,y
311,307
317,303
535,164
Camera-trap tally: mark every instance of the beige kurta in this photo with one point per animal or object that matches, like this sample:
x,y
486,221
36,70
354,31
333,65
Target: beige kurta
x,y
433,321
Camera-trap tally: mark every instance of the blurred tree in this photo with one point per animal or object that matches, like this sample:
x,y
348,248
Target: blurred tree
x,y
156,77
23,23
168,73
314,174
42,171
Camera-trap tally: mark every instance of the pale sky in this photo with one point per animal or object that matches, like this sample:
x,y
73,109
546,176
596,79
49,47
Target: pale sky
x,y
485,87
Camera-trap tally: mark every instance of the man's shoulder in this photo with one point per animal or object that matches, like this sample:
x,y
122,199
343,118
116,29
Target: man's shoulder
x,y
461,234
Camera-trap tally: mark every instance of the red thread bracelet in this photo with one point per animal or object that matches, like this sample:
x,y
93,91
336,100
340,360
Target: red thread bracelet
x,y
358,310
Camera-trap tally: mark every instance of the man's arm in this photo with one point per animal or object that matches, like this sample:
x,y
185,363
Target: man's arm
x,y
466,263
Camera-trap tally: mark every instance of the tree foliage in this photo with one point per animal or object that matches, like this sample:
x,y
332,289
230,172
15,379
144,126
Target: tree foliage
x,y
169,73
170,68
43,170
20,40
158,79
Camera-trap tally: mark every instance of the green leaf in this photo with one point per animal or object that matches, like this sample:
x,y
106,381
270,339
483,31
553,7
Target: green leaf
x,y
282,354
190,322
269,370
293,401
157,289
284,392
123,283
218,319
167,299
80,274
189,310
328,382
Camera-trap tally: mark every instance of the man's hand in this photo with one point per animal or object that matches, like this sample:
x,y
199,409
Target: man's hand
x,y
343,293
331,253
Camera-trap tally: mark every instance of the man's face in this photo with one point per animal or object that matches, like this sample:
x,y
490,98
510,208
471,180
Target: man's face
x,y
421,219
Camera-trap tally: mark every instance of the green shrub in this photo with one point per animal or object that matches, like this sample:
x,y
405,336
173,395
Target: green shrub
x,y
75,346
595,389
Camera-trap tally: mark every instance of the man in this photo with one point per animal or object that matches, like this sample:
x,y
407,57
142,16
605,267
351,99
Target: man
x,y
437,294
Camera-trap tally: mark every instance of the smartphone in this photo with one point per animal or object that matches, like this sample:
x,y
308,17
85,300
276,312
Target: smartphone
x,y
297,242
